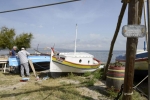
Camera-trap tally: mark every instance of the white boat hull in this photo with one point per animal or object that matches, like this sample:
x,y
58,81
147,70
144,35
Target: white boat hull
x,y
59,64
58,67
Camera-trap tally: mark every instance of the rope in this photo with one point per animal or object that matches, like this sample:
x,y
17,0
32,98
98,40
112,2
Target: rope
x,y
38,6
142,92
135,87
128,93
140,82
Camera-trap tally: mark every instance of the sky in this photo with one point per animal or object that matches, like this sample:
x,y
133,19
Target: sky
x,y
96,23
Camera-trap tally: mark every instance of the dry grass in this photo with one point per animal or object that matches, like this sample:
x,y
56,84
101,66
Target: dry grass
x,y
72,87
64,88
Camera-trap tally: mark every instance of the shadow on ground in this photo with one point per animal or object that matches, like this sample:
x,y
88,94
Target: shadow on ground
x,y
50,89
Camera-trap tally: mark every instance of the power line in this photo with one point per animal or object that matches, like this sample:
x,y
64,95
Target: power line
x,y
39,6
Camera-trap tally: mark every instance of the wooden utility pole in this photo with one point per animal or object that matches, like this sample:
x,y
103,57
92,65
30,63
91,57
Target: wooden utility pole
x,y
130,52
148,9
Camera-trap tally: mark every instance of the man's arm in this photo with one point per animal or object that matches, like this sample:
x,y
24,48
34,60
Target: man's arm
x,y
27,53
18,56
10,52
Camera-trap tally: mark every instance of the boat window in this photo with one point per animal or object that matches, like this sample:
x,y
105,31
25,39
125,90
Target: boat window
x,y
80,61
62,58
88,61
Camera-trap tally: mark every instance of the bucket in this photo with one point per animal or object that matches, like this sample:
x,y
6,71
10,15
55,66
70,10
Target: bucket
x,y
115,77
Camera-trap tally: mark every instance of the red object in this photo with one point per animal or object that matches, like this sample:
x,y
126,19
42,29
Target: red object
x,y
23,80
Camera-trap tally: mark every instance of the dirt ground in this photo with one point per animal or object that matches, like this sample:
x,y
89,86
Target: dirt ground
x,y
47,88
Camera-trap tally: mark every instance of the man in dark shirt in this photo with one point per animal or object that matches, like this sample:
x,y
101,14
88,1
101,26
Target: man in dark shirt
x,y
13,51
13,54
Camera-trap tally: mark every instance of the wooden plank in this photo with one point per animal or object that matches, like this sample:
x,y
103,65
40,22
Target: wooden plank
x,y
32,67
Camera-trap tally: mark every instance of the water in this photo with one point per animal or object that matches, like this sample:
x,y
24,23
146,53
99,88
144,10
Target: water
x,y
101,55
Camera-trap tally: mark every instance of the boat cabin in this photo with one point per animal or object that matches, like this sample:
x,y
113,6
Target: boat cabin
x,y
78,57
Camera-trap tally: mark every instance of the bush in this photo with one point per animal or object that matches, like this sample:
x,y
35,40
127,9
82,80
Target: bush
x,y
70,75
98,74
87,74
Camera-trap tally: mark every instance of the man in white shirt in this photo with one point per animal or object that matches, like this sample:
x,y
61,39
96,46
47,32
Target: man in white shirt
x,y
22,55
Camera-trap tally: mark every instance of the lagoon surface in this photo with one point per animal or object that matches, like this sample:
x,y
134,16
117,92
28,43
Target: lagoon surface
x,y
102,55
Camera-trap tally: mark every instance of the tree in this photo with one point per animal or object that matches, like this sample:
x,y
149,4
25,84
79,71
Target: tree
x,y
8,39
24,40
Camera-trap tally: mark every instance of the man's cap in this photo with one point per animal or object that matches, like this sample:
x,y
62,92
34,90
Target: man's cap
x,y
22,48
14,46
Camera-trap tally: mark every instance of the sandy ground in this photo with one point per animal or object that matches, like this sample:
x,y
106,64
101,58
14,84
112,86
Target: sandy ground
x,y
96,92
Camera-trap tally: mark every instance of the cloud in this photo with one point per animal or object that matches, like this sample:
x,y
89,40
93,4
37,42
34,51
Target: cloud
x,y
40,26
79,17
33,25
48,40
94,36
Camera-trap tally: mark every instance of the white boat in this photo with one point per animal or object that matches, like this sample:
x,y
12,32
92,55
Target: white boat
x,y
75,62
79,62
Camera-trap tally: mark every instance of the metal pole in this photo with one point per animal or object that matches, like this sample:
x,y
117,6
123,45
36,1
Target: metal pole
x,y
75,44
148,9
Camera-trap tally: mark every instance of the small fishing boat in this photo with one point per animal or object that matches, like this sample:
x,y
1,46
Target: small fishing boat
x,y
40,62
75,62
141,63
141,57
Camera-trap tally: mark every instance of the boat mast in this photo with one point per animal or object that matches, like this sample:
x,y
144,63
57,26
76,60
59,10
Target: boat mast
x,y
75,40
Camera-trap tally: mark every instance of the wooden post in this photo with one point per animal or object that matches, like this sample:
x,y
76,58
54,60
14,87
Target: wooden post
x,y
148,9
114,38
140,8
130,52
32,67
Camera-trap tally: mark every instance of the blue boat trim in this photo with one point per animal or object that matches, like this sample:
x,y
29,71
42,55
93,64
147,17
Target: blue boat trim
x,y
14,61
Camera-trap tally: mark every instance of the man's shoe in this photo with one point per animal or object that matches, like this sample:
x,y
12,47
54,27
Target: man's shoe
x,y
10,71
28,75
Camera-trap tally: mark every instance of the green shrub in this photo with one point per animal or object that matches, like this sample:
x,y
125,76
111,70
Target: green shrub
x,y
89,82
71,75
111,92
98,74
87,74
